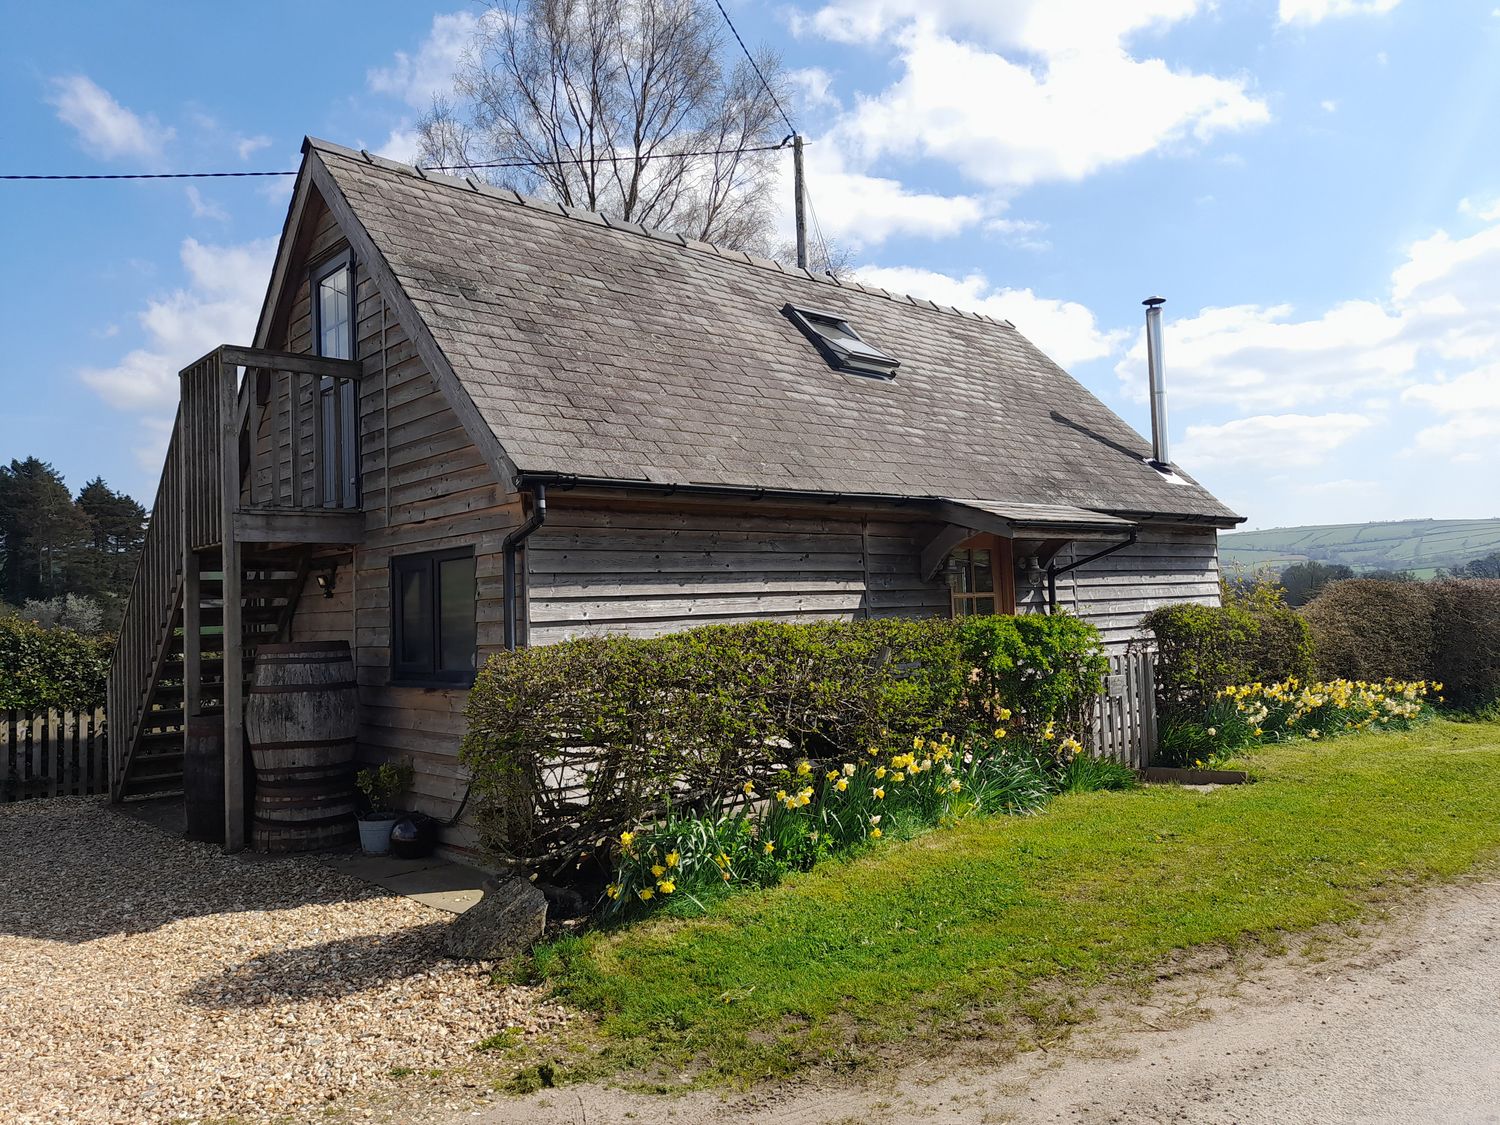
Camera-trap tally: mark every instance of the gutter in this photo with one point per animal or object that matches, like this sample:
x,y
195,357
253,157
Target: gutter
x,y
741,492
511,546
1053,570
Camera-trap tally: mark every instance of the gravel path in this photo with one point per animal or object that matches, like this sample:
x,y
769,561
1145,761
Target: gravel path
x,y
147,979
1394,1027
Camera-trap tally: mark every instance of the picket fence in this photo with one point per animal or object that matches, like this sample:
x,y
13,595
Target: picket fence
x,y
52,754
1124,726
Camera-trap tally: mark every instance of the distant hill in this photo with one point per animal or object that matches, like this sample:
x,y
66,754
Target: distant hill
x,y
1416,545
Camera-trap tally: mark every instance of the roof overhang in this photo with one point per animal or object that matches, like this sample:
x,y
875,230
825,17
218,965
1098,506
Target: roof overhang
x,y
1014,520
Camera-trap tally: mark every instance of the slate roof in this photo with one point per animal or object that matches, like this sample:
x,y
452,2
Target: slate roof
x,y
611,351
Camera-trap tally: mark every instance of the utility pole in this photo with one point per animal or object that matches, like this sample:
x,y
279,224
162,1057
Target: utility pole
x,y
800,206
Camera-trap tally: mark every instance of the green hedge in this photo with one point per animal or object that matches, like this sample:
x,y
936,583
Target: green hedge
x,y
43,669
1446,631
569,744
1200,649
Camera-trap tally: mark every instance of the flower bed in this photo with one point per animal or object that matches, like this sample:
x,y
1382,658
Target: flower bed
x,y
1247,715
814,814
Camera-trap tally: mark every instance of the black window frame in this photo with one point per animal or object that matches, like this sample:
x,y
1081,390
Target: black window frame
x,y
339,484
872,362
427,672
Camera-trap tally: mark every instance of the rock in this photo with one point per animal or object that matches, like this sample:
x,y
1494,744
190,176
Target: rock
x,y
506,921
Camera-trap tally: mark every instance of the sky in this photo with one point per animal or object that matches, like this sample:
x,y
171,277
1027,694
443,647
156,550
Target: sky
x,y
1313,186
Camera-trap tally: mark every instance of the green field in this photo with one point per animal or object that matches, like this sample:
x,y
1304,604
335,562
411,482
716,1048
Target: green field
x,y
1417,545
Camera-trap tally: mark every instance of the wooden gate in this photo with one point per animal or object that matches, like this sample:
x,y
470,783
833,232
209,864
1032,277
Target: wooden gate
x,y
1124,726
52,754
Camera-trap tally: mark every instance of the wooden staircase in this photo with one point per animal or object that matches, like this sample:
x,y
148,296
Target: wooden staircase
x,y
234,528
269,592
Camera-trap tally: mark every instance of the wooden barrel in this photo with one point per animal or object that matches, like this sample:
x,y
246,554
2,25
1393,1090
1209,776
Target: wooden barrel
x,y
301,719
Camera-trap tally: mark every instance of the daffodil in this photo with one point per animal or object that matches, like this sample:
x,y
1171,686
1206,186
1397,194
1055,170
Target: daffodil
x,y
613,890
804,768
658,870
666,886
841,784
672,859
645,894
879,771
770,847
749,788
627,838
879,794
875,833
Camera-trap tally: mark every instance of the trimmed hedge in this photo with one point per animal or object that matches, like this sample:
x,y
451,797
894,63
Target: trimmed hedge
x,y
569,744
43,669
1446,631
1201,649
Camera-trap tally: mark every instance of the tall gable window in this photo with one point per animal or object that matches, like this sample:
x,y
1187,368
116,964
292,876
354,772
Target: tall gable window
x,y
332,291
433,617
843,347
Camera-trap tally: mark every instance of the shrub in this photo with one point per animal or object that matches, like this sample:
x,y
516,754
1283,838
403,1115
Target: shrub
x,y
43,669
1201,649
1044,669
1446,631
1367,629
1466,641
571,744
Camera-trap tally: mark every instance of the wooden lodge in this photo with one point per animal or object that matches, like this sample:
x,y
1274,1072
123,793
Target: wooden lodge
x,y
470,420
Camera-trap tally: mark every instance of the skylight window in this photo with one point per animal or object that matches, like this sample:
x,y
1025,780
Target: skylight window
x,y
841,345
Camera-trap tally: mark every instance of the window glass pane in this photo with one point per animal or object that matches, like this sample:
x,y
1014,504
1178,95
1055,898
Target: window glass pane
x,y
957,572
336,336
415,605
456,611
984,606
349,442
984,574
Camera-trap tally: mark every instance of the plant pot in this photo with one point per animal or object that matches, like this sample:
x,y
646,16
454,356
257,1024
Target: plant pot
x,y
375,833
414,836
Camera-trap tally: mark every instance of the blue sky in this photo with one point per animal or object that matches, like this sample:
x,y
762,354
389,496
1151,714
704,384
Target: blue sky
x,y
1314,185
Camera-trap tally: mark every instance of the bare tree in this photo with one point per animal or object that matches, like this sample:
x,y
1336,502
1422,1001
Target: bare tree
x,y
619,106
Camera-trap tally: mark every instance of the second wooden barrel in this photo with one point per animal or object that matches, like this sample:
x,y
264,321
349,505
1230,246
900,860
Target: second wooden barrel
x,y
301,719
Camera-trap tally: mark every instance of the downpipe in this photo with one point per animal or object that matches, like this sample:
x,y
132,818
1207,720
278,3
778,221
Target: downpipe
x,y
511,547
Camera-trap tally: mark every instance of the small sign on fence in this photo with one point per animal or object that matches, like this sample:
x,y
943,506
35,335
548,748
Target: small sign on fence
x,y
52,754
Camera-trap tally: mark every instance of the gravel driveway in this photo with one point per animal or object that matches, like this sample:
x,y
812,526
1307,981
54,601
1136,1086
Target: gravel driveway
x,y
147,979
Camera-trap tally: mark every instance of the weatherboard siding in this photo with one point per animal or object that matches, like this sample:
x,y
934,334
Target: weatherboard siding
x,y
643,570
1164,566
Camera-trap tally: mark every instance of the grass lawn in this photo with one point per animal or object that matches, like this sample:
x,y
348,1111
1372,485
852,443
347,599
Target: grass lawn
x,y
979,922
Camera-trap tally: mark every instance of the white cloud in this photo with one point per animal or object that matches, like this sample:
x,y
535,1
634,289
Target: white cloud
x,y
860,210
814,87
205,208
419,77
105,127
1316,11
248,146
1043,91
1269,441
1329,105
1254,357
1065,330
219,305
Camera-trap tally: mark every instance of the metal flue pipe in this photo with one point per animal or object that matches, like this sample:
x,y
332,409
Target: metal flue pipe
x,y
1160,455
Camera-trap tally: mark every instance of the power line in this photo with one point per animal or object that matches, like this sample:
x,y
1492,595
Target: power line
x,y
755,66
429,168
151,176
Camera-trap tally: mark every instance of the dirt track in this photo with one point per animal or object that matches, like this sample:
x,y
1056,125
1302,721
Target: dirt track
x,y
1402,1025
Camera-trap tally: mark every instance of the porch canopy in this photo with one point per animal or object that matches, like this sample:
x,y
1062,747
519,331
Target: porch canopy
x,y
1036,530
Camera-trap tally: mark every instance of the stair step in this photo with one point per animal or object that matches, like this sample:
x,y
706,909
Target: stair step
x,y
167,783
